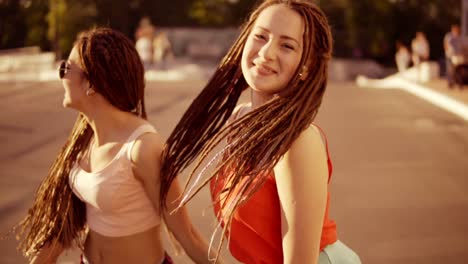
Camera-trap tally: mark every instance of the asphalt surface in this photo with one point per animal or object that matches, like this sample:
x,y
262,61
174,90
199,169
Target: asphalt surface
x,y
400,182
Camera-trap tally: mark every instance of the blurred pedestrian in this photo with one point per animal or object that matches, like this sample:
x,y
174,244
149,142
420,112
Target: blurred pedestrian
x,y
453,47
270,190
102,191
402,57
420,53
419,48
162,50
144,41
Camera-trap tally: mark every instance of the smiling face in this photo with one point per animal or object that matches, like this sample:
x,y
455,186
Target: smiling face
x,y
273,49
74,82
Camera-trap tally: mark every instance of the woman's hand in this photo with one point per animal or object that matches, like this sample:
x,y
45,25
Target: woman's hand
x,y
48,254
146,156
180,225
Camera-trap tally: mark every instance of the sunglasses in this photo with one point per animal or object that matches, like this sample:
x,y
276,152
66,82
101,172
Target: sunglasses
x,y
63,69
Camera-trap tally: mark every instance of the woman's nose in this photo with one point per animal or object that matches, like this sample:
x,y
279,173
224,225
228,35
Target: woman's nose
x,y
268,51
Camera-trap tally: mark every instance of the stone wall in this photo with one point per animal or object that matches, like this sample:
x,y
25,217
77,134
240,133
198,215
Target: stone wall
x,y
202,43
28,59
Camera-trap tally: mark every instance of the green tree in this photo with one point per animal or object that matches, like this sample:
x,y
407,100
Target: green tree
x,y
36,22
335,11
373,26
120,15
220,12
12,26
173,13
433,17
66,19
369,24
209,12
240,10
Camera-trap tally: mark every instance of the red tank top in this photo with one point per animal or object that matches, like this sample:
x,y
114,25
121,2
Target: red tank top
x,y
255,236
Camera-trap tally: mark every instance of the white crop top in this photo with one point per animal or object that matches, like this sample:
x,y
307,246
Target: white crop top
x,y
116,202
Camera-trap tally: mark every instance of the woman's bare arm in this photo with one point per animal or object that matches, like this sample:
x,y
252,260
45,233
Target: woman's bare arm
x,y
146,155
301,177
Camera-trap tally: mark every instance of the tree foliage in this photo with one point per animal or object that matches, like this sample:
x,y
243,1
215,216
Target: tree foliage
x,y
35,19
66,19
220,12
373,27
367,28
210,12
12,25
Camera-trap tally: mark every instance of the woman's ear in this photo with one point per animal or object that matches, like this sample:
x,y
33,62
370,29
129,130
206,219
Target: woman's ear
x,y
86,85
90,91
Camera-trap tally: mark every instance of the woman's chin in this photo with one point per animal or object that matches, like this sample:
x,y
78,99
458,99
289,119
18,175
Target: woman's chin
x,y
265,89
66,102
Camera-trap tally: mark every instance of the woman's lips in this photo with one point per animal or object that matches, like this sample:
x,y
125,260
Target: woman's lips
x,y
264,69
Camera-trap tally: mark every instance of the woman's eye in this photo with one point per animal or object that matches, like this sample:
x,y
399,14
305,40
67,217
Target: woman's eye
x,y
287,46
259,36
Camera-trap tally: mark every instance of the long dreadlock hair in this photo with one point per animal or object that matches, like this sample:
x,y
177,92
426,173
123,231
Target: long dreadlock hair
x,y
113,68
261,137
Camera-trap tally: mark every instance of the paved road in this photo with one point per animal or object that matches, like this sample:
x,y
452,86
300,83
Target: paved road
x,y
399,189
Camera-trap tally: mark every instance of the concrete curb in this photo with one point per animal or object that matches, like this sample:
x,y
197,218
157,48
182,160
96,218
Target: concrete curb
x,y
179,71
438,99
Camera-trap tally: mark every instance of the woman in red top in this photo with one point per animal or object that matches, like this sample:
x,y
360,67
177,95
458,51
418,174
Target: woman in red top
x,y
270,191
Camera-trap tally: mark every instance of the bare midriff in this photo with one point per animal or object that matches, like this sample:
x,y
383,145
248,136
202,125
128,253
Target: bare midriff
x,y
144,247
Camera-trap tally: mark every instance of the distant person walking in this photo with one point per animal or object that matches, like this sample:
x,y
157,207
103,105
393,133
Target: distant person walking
x,y
420,53
162,50
419,48
144,41
402,57
453,47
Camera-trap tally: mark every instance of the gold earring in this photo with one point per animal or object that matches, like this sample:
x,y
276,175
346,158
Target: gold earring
x,y
303,73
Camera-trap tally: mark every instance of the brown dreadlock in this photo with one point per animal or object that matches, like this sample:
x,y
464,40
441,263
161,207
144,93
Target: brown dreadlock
x,y
113,68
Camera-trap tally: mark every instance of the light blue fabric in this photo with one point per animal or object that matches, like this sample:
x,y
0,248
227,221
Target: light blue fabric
x,y
338,253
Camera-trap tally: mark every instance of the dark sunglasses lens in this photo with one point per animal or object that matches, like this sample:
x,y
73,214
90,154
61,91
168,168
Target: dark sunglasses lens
x,y
62,69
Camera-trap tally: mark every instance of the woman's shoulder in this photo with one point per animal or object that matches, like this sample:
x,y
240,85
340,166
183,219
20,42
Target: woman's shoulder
x,y
139,125
310,138
147,141
148,134
308,144
305,162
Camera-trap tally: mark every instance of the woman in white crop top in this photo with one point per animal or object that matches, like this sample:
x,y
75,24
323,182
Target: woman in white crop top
x,y
103,187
